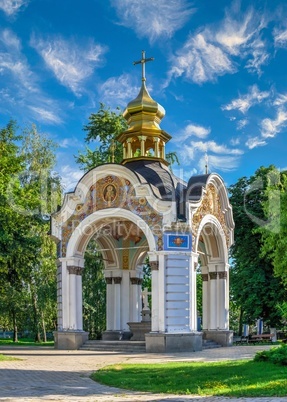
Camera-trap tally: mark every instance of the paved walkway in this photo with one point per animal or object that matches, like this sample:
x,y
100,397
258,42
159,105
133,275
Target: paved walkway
x,y
45,374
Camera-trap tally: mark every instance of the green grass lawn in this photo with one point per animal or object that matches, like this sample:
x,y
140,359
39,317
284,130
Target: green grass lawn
x,y
239,378
4,358
25,342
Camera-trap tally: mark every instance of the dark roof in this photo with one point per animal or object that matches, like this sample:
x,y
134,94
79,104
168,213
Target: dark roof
x,y
195,186
157,174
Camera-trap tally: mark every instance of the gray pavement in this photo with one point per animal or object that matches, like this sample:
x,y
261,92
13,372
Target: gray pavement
x,y
45,374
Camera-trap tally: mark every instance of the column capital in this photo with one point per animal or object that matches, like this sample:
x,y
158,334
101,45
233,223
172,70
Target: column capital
x,y
154,265
204,277
213,275
117,280
109,280
73,270
136,281
222,274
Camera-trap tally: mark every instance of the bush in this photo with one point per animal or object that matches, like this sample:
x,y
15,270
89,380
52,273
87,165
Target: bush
x,y
277,355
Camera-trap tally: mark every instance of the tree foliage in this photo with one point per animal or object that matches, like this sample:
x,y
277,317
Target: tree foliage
x,y
94,292
27,254
255,290
274,233
102,129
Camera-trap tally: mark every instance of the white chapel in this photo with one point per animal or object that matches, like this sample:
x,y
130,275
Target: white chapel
x,y
139,208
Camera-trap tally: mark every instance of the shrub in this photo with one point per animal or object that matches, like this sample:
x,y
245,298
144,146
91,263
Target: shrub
x,y
276,355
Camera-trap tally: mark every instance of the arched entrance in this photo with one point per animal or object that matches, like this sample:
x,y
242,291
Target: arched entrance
x,y
213,256
124,239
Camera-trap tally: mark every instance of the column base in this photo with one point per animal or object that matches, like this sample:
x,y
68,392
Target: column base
x,y
178,342
139,330
223,337
70,340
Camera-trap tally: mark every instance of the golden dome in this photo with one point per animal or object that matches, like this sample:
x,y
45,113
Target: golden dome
x,y
144,139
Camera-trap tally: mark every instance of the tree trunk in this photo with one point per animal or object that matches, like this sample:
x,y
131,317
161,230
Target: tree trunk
x,y
36,317
44,328
15,329
240,323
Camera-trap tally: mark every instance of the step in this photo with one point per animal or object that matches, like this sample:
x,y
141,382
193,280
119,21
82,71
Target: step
x,y
115,346
210,344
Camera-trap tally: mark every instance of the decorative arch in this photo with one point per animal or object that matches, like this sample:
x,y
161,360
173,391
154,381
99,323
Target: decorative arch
x,y
95,220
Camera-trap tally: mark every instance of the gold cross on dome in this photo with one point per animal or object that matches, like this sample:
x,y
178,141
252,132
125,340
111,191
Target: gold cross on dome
x,y
142,62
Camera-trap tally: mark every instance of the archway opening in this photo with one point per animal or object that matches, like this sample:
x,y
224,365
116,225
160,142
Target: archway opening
x,y
114,269
213,307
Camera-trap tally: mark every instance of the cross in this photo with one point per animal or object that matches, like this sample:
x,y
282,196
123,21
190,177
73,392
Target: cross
x,y
142,62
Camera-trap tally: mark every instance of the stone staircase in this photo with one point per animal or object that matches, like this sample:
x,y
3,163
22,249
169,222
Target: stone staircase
x,y
209,344
131,346
115,346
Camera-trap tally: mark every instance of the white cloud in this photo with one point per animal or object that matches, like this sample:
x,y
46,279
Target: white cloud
x,y
45,115
220,157
219,163
186,154
235,141
236,29
10,40
260,56
239,34
212,146
241,124
11,7
192,130
269,127
71,63
280,37
69,143
243,103
70,176
153,19
200,61
118,89
280,100
214,50
255,142
13,63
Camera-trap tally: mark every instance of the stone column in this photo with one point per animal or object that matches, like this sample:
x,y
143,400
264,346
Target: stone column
x,y
193,297
222,300
213,300
129,150
143,139
117,302
135,299
59,297
109,304
156,147
163,151
75,315
125,300
79,306
205,298
154,296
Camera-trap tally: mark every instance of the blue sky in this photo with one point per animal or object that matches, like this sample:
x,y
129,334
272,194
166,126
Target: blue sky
x,y
219,72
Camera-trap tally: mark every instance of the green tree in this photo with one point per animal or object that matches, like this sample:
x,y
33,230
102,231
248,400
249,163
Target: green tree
x,y
255,290
274,233
94,292
103,128
25,160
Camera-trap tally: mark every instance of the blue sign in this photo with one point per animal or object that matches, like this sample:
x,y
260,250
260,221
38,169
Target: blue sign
x,y
173,241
